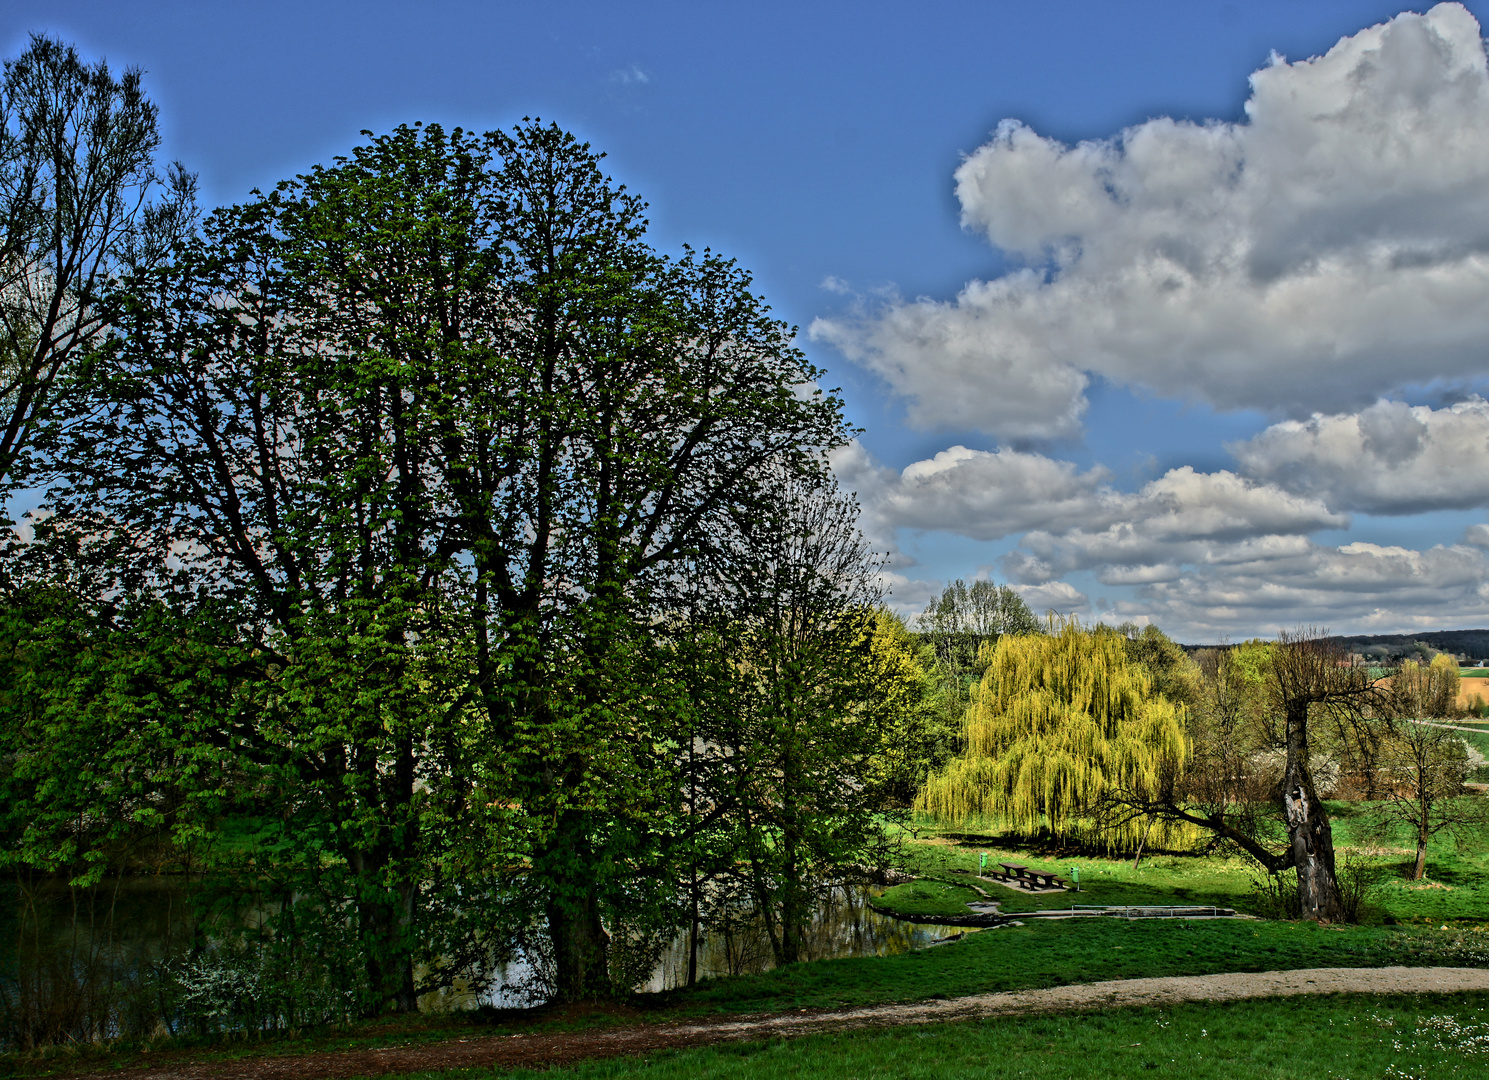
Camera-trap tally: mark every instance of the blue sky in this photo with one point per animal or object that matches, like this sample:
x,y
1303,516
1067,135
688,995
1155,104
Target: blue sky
x,y
1222,374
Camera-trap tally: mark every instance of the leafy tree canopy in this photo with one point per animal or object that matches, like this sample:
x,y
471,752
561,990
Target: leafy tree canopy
x,y
1057,722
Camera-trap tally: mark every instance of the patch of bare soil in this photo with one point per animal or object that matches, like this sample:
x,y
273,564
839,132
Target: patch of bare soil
x,y
567,1048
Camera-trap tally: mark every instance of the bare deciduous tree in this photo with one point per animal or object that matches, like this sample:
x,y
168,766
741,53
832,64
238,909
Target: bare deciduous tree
x,y
1306,676
77,173
1310,670
1422,769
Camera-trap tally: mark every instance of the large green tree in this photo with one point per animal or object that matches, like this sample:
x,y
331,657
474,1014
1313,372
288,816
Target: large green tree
x,y
242,426
630,421
814,700
448,434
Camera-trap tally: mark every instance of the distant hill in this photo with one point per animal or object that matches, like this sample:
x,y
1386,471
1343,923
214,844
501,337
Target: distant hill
x,y
1473,644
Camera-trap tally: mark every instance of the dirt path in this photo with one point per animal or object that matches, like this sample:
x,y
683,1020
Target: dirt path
x,y
513,1051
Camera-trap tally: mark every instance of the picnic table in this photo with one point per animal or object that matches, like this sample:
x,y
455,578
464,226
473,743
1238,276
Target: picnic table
x,y
1018,874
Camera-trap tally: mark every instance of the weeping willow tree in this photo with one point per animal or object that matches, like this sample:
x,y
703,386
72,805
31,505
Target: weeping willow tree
x,y
1058,722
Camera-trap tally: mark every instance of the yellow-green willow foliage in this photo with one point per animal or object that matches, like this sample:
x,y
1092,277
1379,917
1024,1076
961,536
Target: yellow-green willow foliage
x,y
1059,721
1424,691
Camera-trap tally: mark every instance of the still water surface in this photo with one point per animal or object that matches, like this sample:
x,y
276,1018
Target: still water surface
x,y
844,925
148,919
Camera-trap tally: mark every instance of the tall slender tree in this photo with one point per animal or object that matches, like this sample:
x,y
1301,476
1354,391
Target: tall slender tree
x,y
964,618
81,201
1424,766
814,700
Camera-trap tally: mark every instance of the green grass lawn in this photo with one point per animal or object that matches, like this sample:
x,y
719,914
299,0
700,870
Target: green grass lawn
x,y
1162,878
930,897
1479,740
1057,952
1341,1037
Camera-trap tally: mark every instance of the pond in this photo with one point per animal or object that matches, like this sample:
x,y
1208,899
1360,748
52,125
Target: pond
x,y
69,957
843,925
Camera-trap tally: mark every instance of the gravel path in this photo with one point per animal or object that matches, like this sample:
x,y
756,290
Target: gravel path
x,y
512,1051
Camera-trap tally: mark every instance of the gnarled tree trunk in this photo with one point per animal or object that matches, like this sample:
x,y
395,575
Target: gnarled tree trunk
x,y
1308,833
1309,668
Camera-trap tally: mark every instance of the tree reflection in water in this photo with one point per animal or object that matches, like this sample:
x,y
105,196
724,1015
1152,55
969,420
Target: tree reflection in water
x,y
108,943
737,945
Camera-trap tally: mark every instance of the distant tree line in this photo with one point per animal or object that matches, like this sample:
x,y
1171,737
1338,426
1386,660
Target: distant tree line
x,y
1392,649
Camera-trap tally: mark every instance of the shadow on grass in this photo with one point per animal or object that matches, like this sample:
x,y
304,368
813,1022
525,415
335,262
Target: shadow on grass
x,y
1045,845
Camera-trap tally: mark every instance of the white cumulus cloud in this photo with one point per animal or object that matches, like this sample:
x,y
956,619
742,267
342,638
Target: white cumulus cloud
x,y
1360,587
990,494
1206,555
987,495
1184,518
1058,596
1330,247
1391,458
959,366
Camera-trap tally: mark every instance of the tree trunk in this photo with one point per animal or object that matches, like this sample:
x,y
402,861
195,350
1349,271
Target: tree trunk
x,y
580,944
383,919
1308,833
693,928
386,913
390,969
1424,821
1144,841
792,905
793,913
764,898
580,948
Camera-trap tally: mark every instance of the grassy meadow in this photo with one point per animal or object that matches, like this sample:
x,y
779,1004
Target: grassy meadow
x,y
1341,1037
1058,952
